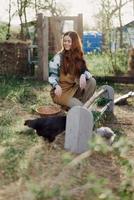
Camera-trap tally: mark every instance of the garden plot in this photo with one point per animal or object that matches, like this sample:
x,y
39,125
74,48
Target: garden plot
x,y
31,168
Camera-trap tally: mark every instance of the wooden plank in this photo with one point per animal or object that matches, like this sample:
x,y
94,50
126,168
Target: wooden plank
x,y
115,79
62,18
122,99
94,97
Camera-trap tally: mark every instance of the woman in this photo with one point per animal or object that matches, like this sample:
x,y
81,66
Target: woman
x,y
72,83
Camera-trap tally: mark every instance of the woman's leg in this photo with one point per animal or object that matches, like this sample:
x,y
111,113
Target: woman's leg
x,y
74,102
81,96
89,90
85,94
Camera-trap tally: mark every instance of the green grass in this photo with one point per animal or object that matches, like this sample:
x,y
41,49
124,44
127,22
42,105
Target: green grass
x,y
28,160
106,64
16,96
29,93
99,64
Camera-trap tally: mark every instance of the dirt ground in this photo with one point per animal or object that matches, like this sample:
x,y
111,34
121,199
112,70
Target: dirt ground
x,y
50,161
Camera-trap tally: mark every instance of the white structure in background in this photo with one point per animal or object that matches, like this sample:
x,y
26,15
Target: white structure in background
x,y
128,36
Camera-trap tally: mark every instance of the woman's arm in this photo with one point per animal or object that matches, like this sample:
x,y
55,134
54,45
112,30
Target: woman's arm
x,y
84,70
87,74
54,68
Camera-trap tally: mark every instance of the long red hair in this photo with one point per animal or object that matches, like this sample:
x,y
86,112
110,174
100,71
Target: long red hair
x,y
72,60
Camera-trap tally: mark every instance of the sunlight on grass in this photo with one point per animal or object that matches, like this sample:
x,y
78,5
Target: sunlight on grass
x,y
107,64
33,167
99,64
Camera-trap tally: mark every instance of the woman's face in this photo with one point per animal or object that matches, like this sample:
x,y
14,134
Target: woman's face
x,y
67,42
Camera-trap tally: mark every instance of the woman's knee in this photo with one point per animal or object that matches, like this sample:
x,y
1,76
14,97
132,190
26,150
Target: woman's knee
x,y
74,102
91,83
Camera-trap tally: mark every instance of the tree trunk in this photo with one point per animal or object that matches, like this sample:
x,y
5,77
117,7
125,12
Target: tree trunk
x,y
25,17
120,21
20,13
9,21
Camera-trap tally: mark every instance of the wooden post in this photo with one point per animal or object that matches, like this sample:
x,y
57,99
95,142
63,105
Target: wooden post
x,y
42,30
75,19
80,25
55,23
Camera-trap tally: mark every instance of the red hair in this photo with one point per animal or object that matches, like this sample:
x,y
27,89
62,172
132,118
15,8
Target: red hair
x,y
73,60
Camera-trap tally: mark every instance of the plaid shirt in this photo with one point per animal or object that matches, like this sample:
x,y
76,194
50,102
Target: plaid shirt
x,y
54,70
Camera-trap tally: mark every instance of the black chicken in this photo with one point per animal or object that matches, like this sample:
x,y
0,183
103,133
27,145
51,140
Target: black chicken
x,y
48,127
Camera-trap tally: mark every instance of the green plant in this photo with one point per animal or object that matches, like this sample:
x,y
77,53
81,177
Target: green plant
x,y
41,193
102,101
9,162
108,63
126,188
6,118
5,133
98,144
99,64
98,189
67,157
119,60
50,56
3,31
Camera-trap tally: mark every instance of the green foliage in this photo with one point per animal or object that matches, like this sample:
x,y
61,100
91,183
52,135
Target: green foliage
x,y
24,156
22,95
50,56
40,193
96,115
121,148
3,31
21,91
119,61
9,162
104,64
99,144
6,118
99,64
67,157
9,84
102,101
98,188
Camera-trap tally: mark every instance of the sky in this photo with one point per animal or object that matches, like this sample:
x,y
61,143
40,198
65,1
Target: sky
x,y
74,7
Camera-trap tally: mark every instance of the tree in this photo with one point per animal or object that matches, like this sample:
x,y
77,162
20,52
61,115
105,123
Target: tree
x,y
9,21
108,10
49,5
3,31
20,14
10,16
38,6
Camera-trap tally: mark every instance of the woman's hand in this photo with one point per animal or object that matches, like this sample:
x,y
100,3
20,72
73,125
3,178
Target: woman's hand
x,y
58,90
82,81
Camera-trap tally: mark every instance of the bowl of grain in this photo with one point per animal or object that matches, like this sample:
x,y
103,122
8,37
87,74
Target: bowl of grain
x,y
45,111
